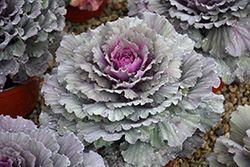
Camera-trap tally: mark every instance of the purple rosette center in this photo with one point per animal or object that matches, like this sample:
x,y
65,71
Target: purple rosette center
x,y
124,60
5,161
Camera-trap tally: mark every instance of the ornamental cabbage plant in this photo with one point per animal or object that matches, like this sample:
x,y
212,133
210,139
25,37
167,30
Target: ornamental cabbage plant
x,y
138,82
91,5
23,144
234,151
220,28
28,28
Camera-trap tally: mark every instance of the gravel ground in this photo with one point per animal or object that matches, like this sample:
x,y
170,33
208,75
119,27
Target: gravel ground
x,y
234,94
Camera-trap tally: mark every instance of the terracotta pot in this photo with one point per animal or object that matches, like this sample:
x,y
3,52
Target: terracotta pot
x,y
169,164
21,99
74,14
214,90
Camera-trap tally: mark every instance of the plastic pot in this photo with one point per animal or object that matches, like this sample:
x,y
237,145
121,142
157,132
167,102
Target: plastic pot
x,y
169,164
20,100
214,90
74,14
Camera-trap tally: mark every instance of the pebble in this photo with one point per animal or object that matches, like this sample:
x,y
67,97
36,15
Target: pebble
x,y
113,17
219,131
94,21
233,87
185,164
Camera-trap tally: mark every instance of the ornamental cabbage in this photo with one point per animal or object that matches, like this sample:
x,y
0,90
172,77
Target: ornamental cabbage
x,y
91,5
27,30
220,28
137,80
234,151
23,144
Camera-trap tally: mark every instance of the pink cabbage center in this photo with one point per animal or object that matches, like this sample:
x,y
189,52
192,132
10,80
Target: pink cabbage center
x,y
5,161
124,61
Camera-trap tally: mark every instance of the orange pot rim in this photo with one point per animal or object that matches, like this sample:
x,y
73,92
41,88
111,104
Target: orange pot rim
x,y
17,88
21,99
222,84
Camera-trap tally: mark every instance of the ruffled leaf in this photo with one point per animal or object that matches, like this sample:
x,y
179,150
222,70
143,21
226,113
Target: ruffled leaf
x,y
60,160
210,110
92,159
49,142
145,151
36,148
16,50
160,25
242,72
71,147
176,129
142,153
112,114
191,70
203,85
41,64
231,40
239,124
15,125
7,67
92,131
222,146
56,122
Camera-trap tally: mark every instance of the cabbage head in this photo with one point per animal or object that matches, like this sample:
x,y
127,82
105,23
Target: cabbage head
x,y
221,29
23,144
235,150
138,82
28,28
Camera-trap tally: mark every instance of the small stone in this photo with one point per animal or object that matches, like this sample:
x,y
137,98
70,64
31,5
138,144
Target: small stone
x,y
227,96
113,17
228,105
117,5
219,131
247,87
94,21
239,94
185,164
104,19
203,145
224,89
213,138
247,93
234,100
227,134
107,11
244,100
242,87
227,117
233,88
206,136
102,15
226,128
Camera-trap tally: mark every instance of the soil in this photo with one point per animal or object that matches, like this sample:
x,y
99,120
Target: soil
x,y
234,94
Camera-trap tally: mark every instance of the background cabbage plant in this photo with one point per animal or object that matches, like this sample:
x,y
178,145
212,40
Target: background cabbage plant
x,y
28,28
23,144
138,82
92,5
235,150
220,28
